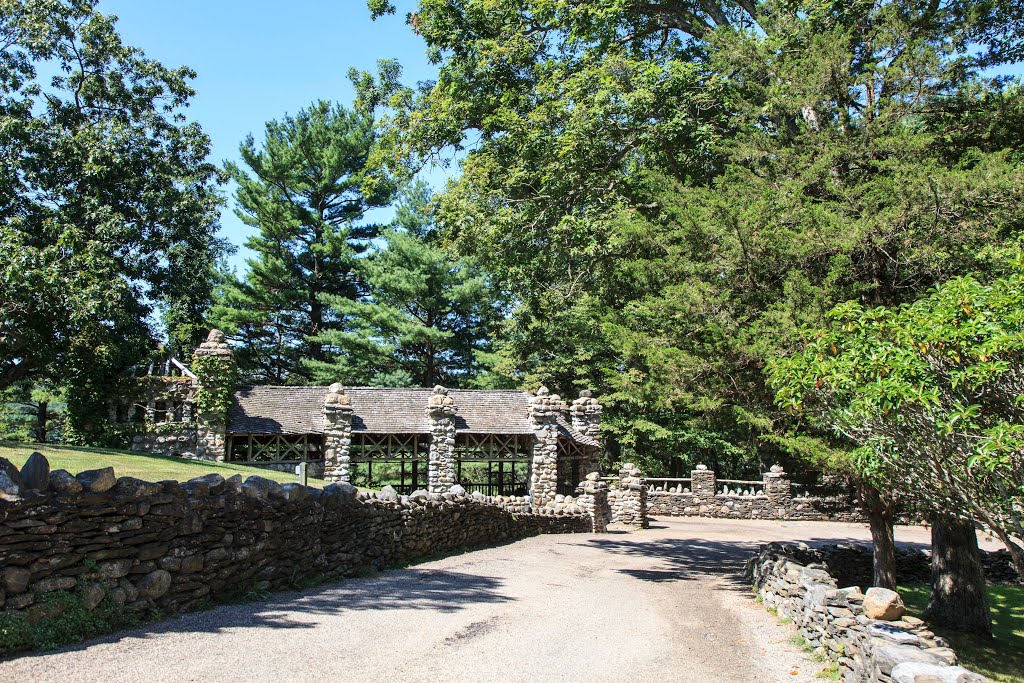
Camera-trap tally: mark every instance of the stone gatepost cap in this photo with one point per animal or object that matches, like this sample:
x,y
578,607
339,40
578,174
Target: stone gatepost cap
x,y
543,391
586,393
594,476
777,469
336,388
215,336
702,467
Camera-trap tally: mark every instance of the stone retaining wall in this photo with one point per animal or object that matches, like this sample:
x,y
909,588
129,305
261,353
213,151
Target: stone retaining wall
x,y
169,546
793,580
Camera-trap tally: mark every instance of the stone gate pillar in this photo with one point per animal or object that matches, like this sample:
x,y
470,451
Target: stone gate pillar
x,y
702,484
779,491
594,499
544,410
585,414
631,503
214,364
337,434
441,464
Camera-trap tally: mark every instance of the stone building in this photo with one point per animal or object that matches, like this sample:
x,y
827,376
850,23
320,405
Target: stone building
x,y
498,442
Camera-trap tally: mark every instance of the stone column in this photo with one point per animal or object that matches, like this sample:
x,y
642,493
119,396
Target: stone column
x,y
585,414
544,410
632,498
337,434
702,484
441,464
779,491
211,428
594,499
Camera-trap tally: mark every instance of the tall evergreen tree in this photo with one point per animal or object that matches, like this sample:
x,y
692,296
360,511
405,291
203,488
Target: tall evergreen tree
x,y
306,191
427,316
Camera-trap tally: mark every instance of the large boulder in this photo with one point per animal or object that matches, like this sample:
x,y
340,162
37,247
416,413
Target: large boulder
x,y
883,604
15,579
35,473
208,484
97,481
920,672
62,481
10,481
889,655
388,493
154,584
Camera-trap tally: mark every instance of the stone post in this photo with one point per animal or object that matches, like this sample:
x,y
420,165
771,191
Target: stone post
x,y
594,499
585,414
779,491
441,464
337,434
703,485
632,499
544,410
211,427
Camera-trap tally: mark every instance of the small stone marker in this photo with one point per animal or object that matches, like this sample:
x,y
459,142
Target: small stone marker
x,y
303,473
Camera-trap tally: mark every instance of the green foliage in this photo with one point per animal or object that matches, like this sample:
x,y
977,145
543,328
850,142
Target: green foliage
x,y
930,393
109,206
64,620
305,189
31,411
218,378
426,315
669,193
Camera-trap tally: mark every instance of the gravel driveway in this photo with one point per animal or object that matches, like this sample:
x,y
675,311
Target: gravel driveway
x,y
664,604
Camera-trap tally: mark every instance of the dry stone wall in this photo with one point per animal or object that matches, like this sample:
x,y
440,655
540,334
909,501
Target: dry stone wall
x,y
868,635
170,546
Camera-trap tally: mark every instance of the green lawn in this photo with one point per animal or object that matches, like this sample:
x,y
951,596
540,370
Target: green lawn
x,y
141,465
1002,658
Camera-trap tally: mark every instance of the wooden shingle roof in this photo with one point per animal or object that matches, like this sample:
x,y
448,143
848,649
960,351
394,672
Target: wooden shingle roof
x,y
298,410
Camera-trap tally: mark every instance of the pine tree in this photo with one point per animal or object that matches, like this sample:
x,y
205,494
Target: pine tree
x,y
426,319
306,191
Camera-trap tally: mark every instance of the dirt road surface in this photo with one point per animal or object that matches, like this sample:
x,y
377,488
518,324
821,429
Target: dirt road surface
x,y
664,604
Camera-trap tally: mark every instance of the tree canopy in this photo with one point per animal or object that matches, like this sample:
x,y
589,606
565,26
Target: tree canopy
x,y
108,206
670,191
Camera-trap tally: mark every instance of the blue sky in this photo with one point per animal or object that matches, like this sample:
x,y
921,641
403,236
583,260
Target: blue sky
x,y
259,59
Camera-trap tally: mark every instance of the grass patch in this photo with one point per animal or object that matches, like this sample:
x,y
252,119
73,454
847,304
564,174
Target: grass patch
x,y
1000,659
145,466
62,618
830,672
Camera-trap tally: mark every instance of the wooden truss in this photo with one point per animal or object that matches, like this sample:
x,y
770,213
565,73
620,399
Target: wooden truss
x,y
275,448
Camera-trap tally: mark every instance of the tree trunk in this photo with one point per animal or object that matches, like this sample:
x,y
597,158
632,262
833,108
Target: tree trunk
x,y
881,517
959,600
41,419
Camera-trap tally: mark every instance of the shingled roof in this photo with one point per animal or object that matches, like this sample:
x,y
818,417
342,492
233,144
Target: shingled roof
x,y
298,410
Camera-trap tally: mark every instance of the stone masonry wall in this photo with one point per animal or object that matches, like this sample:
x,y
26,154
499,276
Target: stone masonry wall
x,y
770,499
838,622
169,546
169,436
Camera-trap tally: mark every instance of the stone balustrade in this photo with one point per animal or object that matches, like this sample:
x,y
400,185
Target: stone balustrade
x,y
704,495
